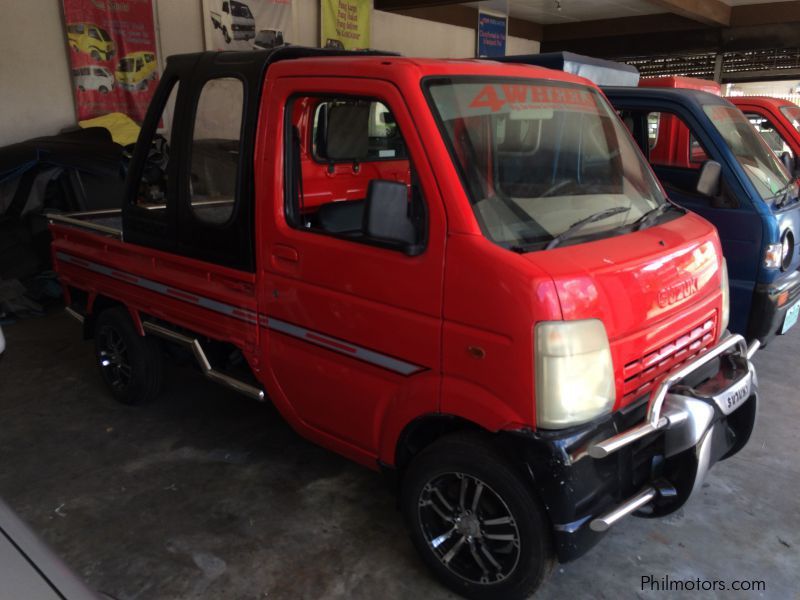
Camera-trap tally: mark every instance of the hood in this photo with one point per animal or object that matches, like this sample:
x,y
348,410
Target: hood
x,y
636,280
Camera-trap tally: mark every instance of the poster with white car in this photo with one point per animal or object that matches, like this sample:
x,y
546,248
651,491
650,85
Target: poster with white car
x,y
247,24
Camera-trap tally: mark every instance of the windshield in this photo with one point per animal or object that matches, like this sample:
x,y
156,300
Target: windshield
x,y
240,10
104,35
127,65
793,114
537,157
759,162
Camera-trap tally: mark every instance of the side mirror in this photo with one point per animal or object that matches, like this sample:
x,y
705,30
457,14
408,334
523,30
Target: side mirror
x,y
789,161
387,215
708,183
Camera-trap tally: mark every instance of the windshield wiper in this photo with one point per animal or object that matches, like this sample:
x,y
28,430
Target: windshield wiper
x,y
578,225
784,191
651,215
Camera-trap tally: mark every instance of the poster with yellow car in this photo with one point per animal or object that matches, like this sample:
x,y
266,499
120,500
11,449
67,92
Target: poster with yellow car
x,y
113,56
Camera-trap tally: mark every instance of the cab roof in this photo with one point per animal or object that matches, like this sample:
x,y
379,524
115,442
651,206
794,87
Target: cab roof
x,y
298,60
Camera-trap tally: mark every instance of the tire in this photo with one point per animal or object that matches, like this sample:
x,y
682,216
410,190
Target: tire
x,y
457,536
103,90
226,35
80,88
95,54
131,365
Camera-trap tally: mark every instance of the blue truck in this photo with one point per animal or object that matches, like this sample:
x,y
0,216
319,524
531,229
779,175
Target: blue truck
x,y
711,161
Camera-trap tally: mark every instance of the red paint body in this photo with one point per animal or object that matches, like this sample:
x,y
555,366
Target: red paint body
x,y
462,291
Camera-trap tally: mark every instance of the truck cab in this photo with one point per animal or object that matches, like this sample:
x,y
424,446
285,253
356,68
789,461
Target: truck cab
x,y
460,273
693,137
778,122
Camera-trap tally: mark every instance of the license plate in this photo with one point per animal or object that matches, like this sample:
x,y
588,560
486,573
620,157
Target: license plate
x,y
791,317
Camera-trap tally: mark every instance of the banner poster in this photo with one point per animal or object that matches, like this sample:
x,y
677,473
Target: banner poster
x,y
112,51
491,35
345,24
247,24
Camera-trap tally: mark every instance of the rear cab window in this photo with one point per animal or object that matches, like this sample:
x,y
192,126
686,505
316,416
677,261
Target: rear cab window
x,y
340,152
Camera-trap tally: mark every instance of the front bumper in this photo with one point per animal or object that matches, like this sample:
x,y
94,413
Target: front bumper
x,y
770,303
648,459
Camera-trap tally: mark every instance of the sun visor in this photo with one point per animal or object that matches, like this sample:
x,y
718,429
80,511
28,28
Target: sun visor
x,y
597,70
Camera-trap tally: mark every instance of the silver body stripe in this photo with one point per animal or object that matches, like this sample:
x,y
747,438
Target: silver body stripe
x,y
243,314
319,339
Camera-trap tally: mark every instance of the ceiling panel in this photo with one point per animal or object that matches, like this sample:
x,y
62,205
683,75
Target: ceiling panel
x,y
546,12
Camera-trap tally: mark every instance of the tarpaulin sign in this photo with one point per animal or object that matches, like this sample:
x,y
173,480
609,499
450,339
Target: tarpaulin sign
x,y
247,24
112,47
345,24
491,35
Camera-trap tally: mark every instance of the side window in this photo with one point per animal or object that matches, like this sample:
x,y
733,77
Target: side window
x,y
769,132
94,34
152,192
349,175
139,64
148,58
652,129
384,139
673,144
215,149
225,7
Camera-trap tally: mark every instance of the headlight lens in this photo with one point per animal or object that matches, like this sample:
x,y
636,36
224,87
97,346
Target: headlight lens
x,y
574,373
772,256
726,298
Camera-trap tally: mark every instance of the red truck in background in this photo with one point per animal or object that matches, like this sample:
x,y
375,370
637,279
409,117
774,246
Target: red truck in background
x,y
460,272
778,122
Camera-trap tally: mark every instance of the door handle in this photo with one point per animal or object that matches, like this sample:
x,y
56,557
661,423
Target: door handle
x,y
285,253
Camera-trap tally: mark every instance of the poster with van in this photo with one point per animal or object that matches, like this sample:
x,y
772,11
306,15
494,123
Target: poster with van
x,y
112,49
247,24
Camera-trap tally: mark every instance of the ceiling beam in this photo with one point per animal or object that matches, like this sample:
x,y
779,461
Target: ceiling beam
x,y
399,5
709,12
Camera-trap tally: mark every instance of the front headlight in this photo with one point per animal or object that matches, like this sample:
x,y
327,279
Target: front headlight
x,y
726,298
574,373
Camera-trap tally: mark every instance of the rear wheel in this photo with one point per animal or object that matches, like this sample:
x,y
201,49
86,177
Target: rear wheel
x,y
130,364
475,522
95,54
103,89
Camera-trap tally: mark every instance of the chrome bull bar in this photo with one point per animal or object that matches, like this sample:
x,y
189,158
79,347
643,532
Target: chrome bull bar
x,y
658,419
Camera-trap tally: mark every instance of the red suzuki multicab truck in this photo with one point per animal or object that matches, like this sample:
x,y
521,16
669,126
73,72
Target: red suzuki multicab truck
x,y
460,272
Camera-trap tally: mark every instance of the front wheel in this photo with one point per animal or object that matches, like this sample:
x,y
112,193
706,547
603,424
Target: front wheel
x,y
475,522
130,364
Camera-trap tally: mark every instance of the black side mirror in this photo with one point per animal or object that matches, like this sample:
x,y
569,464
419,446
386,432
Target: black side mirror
x,y
387,215
789,161
708,184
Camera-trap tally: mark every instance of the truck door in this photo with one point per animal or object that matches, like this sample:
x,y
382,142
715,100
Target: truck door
x,y
677,149
353,316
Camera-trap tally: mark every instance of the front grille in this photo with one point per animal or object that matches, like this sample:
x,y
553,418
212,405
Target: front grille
x,y
642,375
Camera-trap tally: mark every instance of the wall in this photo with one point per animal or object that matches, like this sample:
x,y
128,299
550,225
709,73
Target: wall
x,y
35,81
37,96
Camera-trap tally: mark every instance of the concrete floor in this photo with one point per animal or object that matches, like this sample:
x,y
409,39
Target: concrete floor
x,y
208,495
